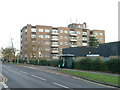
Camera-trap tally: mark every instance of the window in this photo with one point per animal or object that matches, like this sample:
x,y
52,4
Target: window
x,y
78,32
72,37
65,37
41,55
33,36
34,49
41,36
61,37
84,33
47,36
96,34
47,30
61,43
100,34
42,42
72,32
47,49
33,30
54,31
41,30
65,31
46,42
41,48
78,38
65,43
47,55
61,31
100,39
61,49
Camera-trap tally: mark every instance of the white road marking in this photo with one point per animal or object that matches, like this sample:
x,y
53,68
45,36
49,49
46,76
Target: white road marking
x,y
23,72
4,85
60,85
38,77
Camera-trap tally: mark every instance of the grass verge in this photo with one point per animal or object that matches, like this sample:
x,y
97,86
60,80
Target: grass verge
x,y
93,76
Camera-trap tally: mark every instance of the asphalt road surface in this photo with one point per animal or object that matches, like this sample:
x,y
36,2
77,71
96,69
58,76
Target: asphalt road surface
x,y
23,77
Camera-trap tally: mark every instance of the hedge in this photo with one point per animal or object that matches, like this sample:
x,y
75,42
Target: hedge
x,y
98,65
84,64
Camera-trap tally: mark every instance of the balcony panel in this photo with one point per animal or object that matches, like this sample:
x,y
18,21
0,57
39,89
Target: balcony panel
x,y
54,51
54,33
54,45
54,39
73,40
73,45
73,34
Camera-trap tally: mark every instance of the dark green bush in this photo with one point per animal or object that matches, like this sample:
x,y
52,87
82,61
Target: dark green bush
x,y
98,65
84,64
113,65
34,62
22,61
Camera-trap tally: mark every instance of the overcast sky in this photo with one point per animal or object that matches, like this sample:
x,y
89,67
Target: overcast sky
x,y
15,14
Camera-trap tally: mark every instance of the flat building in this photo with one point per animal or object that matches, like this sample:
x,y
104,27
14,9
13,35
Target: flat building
x,y
47,42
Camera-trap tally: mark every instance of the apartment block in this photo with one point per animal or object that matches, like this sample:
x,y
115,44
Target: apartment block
x,y
47,42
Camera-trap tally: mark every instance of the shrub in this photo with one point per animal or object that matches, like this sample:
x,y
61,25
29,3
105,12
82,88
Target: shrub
x,y
113,65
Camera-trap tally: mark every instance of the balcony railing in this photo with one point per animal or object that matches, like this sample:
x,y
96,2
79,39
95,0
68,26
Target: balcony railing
x,y
73,40
54,51
73,34
54,45
73,45
54,39
54,33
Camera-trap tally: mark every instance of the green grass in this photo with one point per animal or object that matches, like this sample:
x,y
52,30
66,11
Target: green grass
x,y
93,76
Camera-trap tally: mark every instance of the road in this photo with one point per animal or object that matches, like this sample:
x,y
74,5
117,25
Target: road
x,y
23,77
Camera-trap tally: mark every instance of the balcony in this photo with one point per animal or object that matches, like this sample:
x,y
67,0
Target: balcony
x,y
54,51
73,40
73,45
54,39
55,57
54,45
54,33
84,39
84,44
73,34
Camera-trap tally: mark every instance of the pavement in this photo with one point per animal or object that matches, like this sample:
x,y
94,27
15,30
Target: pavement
x,y
42,77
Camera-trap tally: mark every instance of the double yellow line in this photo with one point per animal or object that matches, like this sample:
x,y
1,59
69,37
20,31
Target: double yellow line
x,y
4,79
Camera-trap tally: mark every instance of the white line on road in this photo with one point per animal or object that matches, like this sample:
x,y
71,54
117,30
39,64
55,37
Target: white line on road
x,y
23,72
4,85
60,85
38,77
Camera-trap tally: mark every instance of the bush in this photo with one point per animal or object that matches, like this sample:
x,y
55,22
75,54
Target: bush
x,y
34,62
98,65
113,65
22,61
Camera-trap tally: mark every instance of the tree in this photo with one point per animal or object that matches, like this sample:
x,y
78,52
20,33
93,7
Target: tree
x,y
93,41
8,53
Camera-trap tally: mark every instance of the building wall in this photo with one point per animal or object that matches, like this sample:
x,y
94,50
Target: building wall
x,y
38,43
